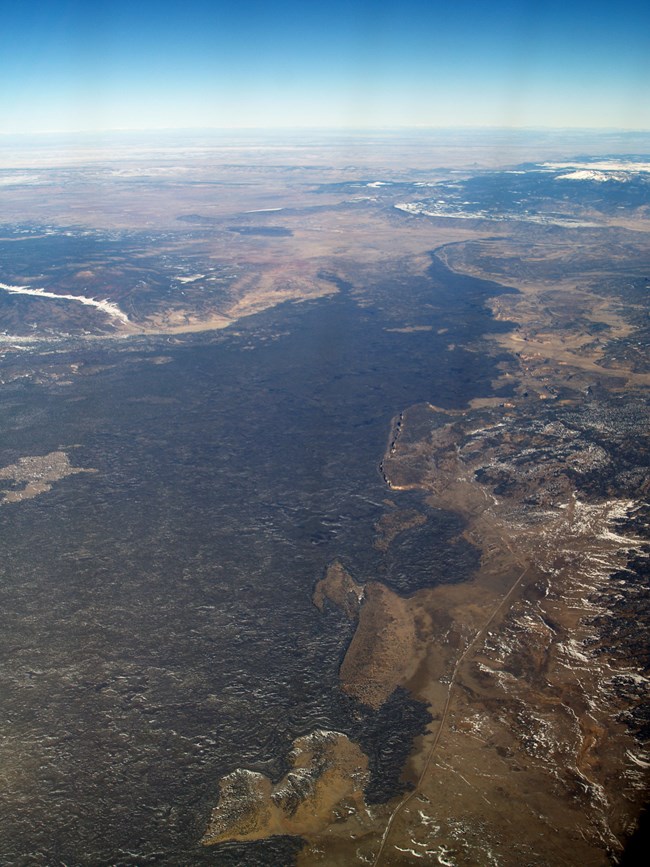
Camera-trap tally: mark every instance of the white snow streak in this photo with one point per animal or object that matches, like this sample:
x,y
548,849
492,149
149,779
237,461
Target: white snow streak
x,y
105,306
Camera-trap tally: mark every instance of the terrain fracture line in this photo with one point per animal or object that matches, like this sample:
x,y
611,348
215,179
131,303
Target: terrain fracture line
x,y
443,718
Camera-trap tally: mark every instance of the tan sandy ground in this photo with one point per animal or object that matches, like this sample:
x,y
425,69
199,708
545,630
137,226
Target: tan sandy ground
x,y
525,761
37,474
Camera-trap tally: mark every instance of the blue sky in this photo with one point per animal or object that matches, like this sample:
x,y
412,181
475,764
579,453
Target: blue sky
x,y
96,65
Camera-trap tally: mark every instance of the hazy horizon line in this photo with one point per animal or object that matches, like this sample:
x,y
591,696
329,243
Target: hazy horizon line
x,y
329,129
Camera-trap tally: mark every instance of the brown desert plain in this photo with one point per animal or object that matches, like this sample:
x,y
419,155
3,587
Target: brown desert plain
x,y
533,668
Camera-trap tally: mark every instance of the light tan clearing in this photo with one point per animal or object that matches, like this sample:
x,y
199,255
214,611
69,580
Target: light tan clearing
x,y
383,651
36,475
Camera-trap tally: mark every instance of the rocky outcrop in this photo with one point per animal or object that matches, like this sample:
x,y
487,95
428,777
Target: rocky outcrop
x,y
325,785
341,589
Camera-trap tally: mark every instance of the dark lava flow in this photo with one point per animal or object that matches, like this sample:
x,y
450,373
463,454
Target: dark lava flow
x,y
157,624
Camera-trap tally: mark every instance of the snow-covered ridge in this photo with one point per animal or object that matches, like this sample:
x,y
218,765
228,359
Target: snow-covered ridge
x,y
450,211
105,306
592,175
600,171
601,166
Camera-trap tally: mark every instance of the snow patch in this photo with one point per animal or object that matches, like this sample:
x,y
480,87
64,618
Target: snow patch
x,y
639,762
104,305
15,180
590,175
601,166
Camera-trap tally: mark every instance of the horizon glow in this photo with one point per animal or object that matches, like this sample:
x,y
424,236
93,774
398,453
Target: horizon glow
x,y
71,66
